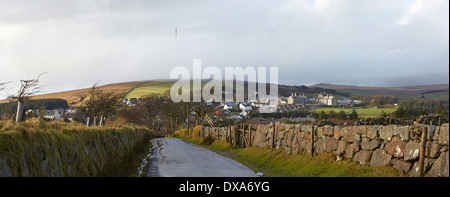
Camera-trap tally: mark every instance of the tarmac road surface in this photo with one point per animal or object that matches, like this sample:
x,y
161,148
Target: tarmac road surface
x,y
172,157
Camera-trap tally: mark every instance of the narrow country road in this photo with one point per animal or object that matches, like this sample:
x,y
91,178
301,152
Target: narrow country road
x,y
172,157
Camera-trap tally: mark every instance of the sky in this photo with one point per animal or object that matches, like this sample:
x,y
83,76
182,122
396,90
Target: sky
x,y
351,42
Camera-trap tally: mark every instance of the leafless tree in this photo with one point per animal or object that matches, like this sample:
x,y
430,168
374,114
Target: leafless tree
x,y
107,104
100,105
2,85
88,108
151,106
27,89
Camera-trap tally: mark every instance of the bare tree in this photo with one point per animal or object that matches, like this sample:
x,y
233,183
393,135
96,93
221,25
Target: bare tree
x,y
2,85
88,107
107,104
27,89
100,105
151,105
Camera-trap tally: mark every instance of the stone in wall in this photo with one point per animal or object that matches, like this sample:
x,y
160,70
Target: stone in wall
x,y
395,147
289,137
319,146
319,132
440,167
300,136
362,157
351,149
401,165
415,133
306,128
348,134
337,132
259,138
330,144
443,136
368,144
328,130
372,132
342,145
295,150
386,132
380,158
432,149
411,151
295,144
427,165
361,130
306,146
402,132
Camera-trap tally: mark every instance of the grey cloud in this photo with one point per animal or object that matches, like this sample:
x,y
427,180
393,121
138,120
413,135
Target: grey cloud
x,y
114,40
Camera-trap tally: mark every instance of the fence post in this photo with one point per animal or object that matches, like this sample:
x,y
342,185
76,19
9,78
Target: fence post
x,y
423,145
249,135
312,141
273,135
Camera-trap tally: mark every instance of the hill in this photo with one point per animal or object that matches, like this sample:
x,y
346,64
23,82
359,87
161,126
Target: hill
x,y
74,97
436,91
161,86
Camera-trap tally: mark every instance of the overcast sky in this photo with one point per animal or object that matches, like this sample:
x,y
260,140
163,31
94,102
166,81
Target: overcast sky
x,y
357,42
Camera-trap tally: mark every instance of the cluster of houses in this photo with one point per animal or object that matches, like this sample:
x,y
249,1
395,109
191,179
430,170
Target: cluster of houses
x,y
293,102
56,114
130,102
322,99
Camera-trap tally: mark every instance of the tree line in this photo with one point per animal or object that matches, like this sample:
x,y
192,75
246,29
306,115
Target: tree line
x,y
411,109
376,100
39,104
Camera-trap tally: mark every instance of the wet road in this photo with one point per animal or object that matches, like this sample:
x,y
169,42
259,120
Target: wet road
x,y
172,157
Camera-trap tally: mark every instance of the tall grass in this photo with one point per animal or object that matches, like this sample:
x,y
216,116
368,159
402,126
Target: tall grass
x,y
36,148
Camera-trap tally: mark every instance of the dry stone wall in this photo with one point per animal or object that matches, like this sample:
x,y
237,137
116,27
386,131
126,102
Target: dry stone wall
x,y
374,145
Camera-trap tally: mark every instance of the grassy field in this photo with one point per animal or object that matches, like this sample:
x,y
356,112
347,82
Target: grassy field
x,y
362,112
157,87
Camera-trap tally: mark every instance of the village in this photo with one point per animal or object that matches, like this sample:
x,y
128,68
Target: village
x,y
223,111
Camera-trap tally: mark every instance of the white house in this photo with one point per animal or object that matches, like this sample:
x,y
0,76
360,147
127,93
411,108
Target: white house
x,y
245,107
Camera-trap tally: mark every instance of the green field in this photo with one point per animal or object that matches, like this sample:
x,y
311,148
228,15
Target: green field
x,y
362,112
157,87
162,86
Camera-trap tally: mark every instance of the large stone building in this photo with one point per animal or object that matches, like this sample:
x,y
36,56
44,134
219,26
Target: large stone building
x,y
326,99
294,99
